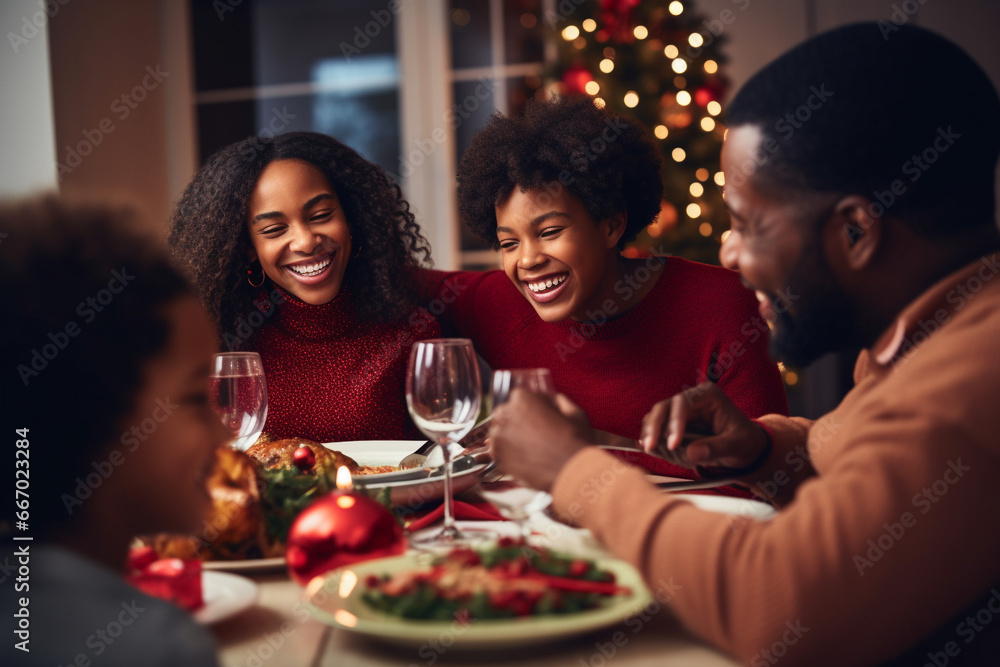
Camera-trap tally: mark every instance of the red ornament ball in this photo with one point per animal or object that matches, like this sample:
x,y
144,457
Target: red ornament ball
x,y
304,459
339,530
576,79
703,96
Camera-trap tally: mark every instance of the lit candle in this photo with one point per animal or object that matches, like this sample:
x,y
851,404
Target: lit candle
x,y
341,529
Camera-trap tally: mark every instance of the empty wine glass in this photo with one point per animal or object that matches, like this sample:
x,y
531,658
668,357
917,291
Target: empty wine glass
x,y
443,395
238,393
513,501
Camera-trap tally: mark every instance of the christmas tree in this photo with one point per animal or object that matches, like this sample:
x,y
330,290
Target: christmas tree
x,y
661,63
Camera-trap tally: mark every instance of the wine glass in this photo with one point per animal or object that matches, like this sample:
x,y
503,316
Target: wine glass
x,y
443,395
238,393
516,502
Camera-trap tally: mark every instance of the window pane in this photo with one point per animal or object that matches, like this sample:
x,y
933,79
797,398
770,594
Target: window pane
x,y
524,31
223,49
291,36
368,122
335,64
521,89
470,33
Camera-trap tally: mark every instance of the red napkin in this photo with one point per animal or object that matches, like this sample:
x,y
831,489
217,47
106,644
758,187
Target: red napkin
x,y
463,512
658,466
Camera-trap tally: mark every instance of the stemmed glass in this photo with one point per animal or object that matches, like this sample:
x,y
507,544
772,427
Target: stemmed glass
x,y
238,393
513,501
443,395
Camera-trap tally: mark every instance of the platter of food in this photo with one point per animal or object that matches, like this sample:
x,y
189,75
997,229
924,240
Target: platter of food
x,y
257,494
413,490
507,596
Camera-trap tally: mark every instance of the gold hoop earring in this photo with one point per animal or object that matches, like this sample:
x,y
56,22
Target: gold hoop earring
x,y
250,274
357,251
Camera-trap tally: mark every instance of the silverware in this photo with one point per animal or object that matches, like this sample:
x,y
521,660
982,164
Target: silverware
x,y
417,458
694,484
475,437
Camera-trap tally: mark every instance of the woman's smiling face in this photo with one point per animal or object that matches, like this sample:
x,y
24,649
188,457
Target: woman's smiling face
x,y
555,253
298,230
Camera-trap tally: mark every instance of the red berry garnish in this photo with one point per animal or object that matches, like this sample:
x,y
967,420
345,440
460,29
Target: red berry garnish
x,y
578,568
304,459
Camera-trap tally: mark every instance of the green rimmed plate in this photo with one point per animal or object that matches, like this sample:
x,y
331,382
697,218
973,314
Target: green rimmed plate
x,y
335,599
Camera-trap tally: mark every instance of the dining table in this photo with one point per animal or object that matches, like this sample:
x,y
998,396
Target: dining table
x,y
279,629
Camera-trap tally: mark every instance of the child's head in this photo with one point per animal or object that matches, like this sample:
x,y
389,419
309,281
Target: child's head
x,y
301,211
560,191
110,355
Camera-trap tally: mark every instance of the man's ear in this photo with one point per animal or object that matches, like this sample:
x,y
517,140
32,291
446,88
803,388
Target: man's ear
x,y
858,232
616,229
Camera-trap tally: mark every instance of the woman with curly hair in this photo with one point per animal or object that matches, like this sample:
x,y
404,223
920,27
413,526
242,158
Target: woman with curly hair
x,y
560,191
302,250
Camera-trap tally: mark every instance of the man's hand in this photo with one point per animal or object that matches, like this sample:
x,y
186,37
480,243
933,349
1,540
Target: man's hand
x,y
533,436
732,440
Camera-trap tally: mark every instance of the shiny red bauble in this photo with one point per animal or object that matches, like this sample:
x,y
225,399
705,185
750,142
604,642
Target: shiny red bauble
x,y
703,96
304,459
339,530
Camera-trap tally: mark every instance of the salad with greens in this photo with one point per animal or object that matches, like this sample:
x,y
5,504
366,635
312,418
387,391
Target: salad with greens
x,y
509,581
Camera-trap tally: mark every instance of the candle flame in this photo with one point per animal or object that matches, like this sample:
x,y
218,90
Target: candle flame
x,y
344,479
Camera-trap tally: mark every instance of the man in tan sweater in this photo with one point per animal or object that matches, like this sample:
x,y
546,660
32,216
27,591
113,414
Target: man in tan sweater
x,y
862,201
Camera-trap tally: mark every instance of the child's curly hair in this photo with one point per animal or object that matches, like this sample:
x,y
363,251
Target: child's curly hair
x,y
604,159
209,236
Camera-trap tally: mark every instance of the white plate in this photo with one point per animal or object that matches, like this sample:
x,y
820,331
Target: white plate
x,y
409,492
225,595
250,566
336,599
753,509
380,453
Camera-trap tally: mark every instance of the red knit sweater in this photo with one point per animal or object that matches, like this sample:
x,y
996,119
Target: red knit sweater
x,y
697,323
331,377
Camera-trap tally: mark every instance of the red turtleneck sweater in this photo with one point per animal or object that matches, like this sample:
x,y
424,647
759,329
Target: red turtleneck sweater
x,y
697,323
332,377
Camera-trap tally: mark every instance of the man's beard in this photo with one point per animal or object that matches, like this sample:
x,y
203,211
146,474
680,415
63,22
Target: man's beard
x,y
823,319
